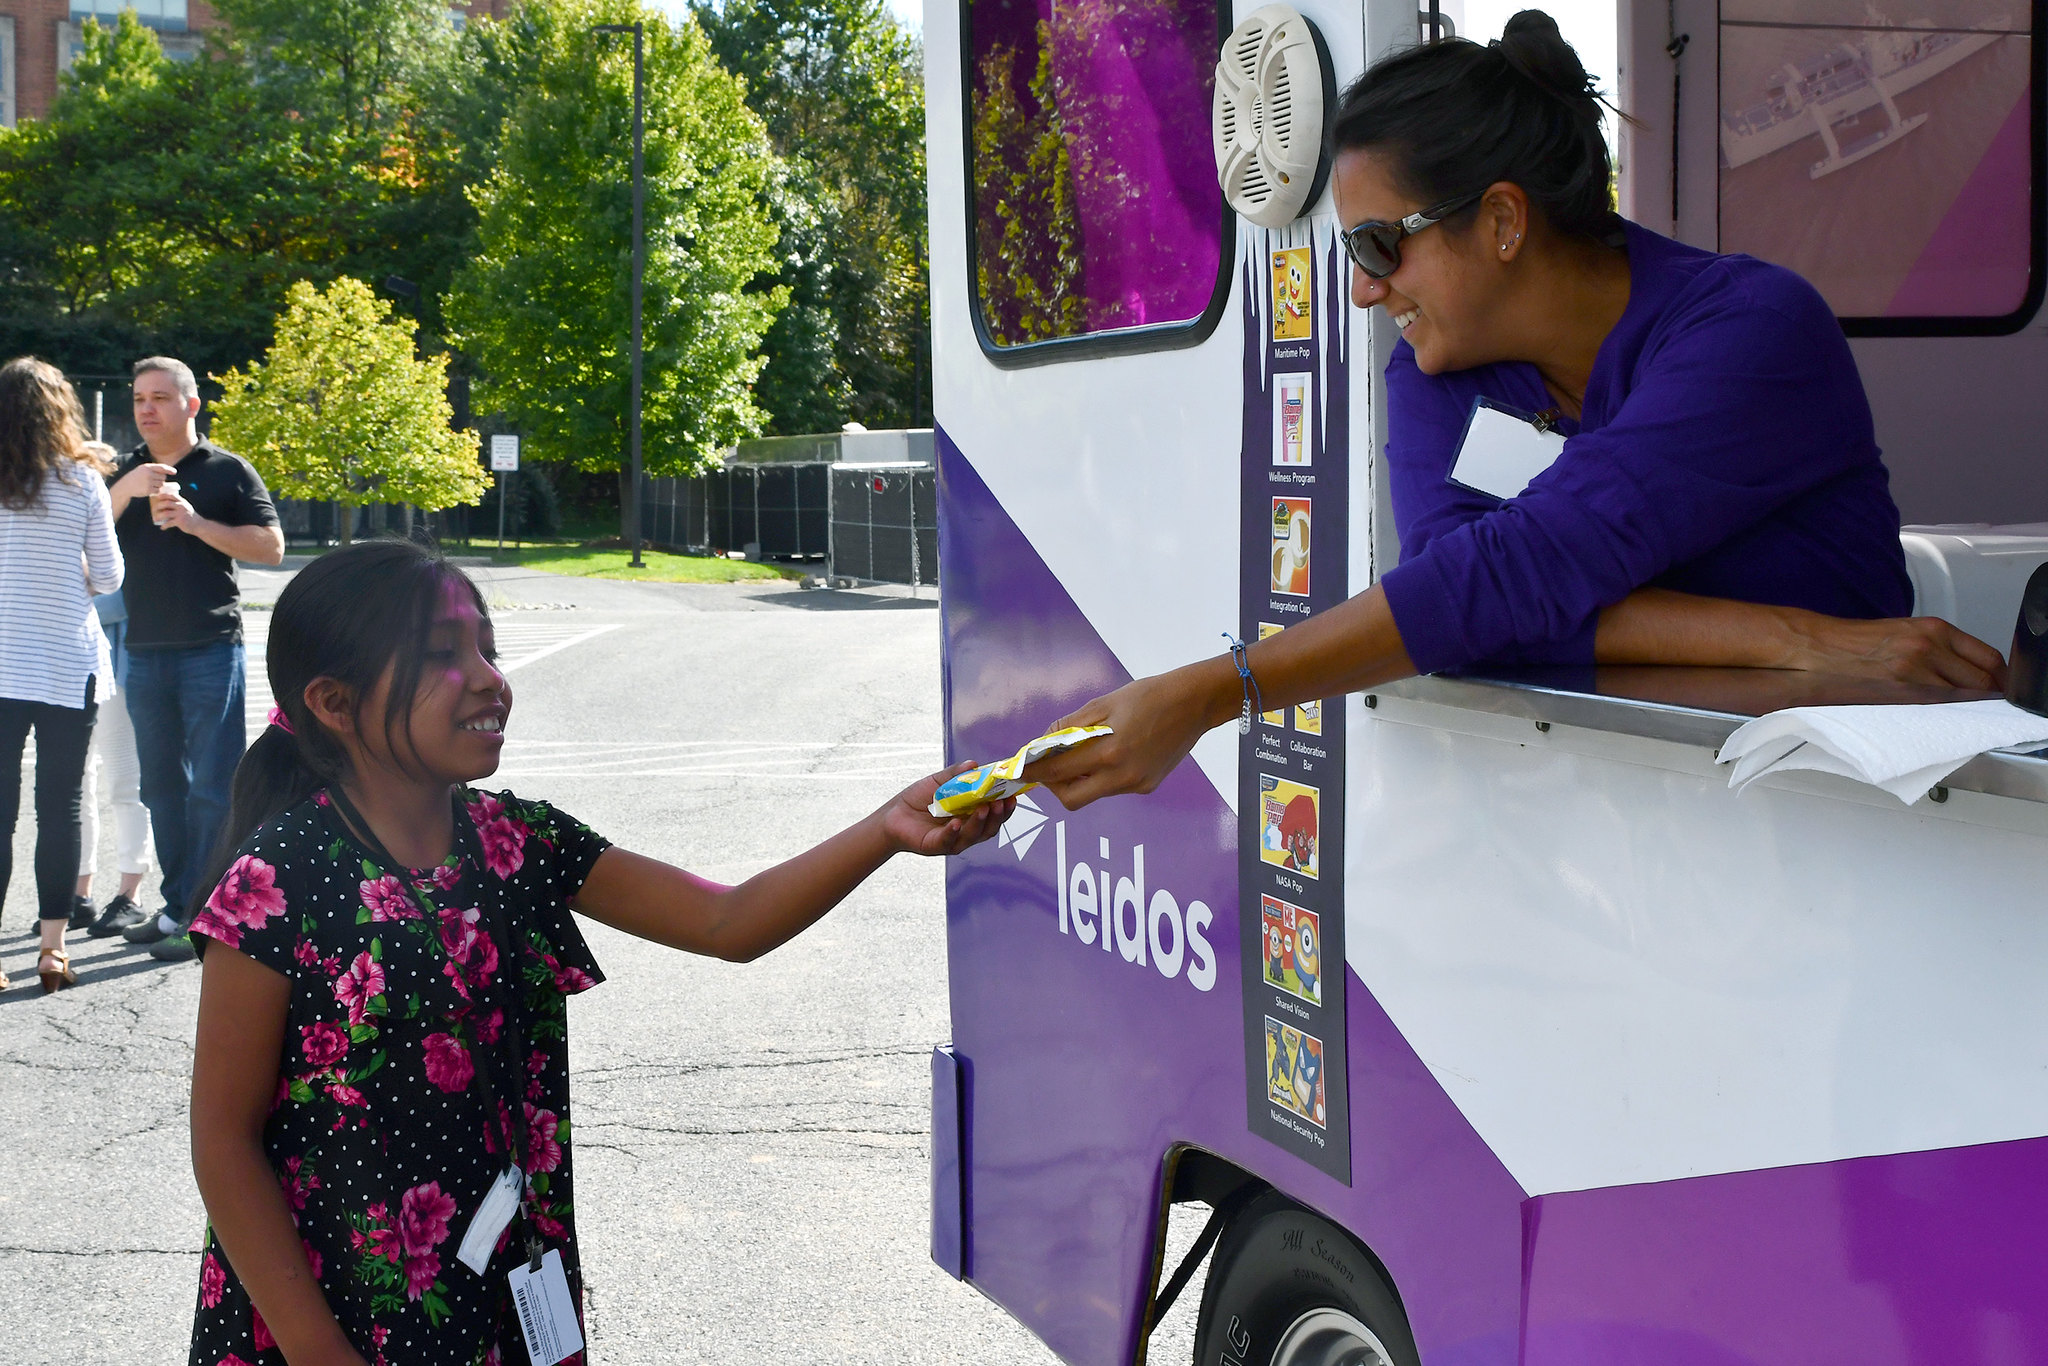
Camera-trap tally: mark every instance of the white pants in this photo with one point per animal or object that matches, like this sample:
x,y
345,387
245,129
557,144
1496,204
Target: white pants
x,y
113,747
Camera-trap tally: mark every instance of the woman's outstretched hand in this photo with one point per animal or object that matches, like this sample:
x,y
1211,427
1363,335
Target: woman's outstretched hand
x,y
1157,721
912,828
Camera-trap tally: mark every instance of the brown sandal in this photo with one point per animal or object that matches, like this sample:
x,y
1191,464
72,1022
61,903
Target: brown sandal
x,y
62,977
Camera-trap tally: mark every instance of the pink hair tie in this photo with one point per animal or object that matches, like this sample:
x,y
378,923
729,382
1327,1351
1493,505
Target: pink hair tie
x,y
280,720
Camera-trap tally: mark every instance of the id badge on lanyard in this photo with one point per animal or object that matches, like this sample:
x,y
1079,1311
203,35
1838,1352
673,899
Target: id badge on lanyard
x,y
1503,450
540,1287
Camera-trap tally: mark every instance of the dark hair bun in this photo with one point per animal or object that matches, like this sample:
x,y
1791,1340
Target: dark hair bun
x,y
1534,47
1457,117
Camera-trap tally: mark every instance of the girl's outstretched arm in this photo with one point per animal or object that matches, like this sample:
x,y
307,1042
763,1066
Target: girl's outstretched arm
x,y
242,1011
658,901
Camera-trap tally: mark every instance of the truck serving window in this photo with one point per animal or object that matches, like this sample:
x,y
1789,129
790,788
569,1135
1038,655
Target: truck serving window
x,y
1095,219
1889,153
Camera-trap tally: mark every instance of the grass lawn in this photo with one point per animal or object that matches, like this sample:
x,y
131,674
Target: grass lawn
x,y
596,562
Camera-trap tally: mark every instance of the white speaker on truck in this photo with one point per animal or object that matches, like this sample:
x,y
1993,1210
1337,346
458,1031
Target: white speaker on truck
x,y
1275,91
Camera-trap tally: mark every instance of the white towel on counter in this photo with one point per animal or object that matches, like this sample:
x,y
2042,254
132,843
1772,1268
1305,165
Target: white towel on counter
x,y
1903,749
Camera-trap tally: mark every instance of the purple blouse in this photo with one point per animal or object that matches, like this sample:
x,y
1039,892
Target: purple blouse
x,y
1725,449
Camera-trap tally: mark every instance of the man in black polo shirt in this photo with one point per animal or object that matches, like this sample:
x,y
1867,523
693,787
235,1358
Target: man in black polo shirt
x,y
184,511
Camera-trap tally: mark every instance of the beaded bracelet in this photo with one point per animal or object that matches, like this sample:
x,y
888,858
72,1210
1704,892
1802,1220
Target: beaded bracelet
x,y
1251,685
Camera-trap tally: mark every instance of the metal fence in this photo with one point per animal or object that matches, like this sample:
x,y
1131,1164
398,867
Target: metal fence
x,y
875,522
771,512
308,522
885,523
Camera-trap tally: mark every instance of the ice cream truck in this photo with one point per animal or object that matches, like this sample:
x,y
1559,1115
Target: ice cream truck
x,y
1480,1019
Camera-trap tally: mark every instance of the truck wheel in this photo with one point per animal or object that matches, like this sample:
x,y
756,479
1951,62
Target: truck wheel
x,y
1290,1288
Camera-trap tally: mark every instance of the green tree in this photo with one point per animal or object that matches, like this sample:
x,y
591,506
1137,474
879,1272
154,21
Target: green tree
x,y
840,85
342,410
542,307
409,110
167,206
355,62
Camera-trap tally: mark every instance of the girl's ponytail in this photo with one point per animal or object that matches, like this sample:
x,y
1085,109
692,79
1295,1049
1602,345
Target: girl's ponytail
x,y
271,779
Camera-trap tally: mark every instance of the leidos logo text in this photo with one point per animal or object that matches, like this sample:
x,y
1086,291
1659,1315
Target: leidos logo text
x,y
1118,916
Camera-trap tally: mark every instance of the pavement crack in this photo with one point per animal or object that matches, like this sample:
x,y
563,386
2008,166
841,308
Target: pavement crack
x,y
706,1131
684,1069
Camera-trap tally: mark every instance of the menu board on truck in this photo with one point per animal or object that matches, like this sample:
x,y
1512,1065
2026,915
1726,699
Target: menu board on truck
x,y
1294,563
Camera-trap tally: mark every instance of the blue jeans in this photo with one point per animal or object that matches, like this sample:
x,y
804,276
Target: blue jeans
x,y
189,735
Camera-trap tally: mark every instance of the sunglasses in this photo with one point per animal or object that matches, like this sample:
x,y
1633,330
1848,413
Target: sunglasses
x,y
1375,247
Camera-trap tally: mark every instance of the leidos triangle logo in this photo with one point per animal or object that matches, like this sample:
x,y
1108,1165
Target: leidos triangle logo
x,y
1021,831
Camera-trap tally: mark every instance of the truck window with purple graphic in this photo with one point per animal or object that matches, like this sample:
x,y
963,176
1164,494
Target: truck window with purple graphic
x,y
1472,1020
1094,210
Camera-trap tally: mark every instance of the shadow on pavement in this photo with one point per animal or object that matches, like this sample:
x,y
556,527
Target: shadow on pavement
x,y
836,600
92,969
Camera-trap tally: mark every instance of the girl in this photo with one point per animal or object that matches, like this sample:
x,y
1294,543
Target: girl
x,y
387,952
56,549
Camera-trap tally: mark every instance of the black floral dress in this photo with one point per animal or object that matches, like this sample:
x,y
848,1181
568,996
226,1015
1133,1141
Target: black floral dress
x,y
380,1134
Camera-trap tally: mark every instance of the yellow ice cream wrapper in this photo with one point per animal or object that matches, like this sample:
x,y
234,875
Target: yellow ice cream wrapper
x,y
992,782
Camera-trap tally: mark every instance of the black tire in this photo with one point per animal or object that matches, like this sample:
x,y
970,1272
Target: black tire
x,y
1278,1262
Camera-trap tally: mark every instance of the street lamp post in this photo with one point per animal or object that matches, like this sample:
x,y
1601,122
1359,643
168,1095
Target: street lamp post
x,y
639,254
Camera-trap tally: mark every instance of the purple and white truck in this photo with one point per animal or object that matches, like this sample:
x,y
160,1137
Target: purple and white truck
x,y
1489,1024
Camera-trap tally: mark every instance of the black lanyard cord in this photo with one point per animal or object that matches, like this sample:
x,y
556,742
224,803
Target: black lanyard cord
x,y
509,1032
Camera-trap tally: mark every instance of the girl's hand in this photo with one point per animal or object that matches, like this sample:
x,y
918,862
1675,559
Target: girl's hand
x,y
913,829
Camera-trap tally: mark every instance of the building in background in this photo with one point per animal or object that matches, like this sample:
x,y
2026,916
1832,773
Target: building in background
x,y
39,38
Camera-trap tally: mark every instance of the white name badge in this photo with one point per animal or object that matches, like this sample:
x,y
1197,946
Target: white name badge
x,y
546,1313
499,1204
1502,452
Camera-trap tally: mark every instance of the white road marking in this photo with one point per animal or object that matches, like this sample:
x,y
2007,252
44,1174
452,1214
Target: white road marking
x,y
518,648
770,761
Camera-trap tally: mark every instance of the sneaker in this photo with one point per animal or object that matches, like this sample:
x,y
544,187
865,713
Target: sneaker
x,y
149,931
175,948
81,913
120,913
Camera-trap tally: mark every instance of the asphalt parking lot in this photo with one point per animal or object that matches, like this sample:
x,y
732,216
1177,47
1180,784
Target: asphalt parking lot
x,y
752,1139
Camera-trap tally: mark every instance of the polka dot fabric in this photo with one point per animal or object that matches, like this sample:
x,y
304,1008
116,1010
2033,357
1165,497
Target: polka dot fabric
x,y
379,1134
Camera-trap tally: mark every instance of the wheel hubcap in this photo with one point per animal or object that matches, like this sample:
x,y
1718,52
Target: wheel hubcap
x,y
1330,1337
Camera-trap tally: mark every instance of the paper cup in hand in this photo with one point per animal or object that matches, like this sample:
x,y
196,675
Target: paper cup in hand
x,y
166,493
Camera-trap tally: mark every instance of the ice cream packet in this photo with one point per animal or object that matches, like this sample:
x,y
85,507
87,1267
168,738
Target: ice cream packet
x,y
992,782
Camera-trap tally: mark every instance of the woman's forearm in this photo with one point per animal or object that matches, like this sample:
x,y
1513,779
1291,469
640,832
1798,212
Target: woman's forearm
x,y
1157,720
1352,646
1659,626
250,1218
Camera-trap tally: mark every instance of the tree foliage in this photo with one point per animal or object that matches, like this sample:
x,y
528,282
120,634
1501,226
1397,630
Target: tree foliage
x,y
1025,222
143,214
342,410
542,306
481,177
840,85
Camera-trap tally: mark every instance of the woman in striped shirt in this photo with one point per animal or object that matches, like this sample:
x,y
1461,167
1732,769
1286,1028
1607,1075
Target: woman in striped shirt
x,y
56,550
